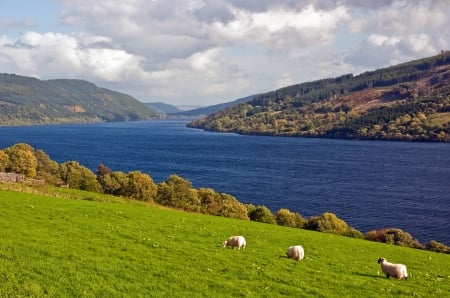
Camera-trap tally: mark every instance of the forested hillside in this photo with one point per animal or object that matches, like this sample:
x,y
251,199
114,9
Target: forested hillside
x,y
410,101
26,100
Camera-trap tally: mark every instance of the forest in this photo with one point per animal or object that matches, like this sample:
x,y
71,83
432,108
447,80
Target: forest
x,y
37,169
406,102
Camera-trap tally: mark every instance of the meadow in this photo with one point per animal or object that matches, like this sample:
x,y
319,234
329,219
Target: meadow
x,y
77,244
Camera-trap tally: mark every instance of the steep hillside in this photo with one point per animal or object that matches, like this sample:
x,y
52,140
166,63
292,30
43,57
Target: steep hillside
x,y
26,100
410,101
214,108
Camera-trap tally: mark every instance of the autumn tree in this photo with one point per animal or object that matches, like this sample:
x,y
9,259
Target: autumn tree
x,y
140,186
4,161
285,217
328,222
22,160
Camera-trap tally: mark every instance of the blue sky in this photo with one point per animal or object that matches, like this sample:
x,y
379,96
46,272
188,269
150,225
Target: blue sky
x,y
203,52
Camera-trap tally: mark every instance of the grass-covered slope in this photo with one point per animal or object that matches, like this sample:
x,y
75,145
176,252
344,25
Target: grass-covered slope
x,y
60,247
26,100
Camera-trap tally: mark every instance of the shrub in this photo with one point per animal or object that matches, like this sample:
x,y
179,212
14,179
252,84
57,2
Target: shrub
x,y
4,161
284,217
437,247
140,186
178,192
328,222
221,204
78,176
261,214
354,233
393,236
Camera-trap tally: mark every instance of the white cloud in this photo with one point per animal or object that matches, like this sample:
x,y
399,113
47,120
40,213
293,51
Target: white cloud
x,y
59,55
210,51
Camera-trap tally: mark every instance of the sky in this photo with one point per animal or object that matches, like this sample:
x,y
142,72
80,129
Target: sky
x,y
205,52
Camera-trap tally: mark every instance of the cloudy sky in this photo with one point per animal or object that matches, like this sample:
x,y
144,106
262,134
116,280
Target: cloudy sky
x,y
203,52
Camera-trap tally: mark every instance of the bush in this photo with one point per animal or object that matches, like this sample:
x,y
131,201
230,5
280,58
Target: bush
x,y
221,204
178,192
393,236
284,217
354,233
328,222
437,247
261,214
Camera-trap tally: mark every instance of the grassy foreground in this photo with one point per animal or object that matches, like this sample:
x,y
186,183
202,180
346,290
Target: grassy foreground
x,y
56,247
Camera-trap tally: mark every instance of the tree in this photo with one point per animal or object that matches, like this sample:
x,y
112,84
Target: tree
x,y
261,214
140,186
284,217
47,168
221,204
4,161
178,192
393,236
328,222
22,160
115,183
78,176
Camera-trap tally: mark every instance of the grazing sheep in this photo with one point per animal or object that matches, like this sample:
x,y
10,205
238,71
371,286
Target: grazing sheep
x,y
296,252
395,270
235,241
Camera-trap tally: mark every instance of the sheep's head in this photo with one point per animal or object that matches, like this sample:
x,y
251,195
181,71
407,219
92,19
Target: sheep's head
x,y
225,243
380,260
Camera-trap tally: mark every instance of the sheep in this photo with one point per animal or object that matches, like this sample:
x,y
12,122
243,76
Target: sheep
x,y
235,241
296,252
395,270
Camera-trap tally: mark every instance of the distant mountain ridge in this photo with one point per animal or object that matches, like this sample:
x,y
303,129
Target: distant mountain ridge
x,y
407,102
163,107
27,100
214,108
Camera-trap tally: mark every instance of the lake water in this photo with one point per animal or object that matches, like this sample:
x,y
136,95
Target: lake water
x,y
369,184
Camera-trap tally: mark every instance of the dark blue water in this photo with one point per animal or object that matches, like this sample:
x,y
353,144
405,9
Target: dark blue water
x,y
369,184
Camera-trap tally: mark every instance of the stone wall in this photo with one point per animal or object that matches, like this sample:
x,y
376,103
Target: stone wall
x,y
11,177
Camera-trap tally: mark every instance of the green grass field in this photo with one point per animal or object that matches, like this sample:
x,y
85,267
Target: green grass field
x,y
58,247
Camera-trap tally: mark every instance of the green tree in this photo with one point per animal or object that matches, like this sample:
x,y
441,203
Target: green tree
x,y
261,214
221,204
47,168
177,192
78,176
115,183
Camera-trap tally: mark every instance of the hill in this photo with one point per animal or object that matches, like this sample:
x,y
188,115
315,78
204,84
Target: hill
x,y
163,107
26,100
409,101
212,109
59,247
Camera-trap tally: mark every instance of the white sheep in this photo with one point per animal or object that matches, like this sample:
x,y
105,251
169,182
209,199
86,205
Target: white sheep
x,y
296,252
395,270
235,241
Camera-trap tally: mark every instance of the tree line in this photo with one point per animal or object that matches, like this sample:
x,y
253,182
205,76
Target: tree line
x,y
177,192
